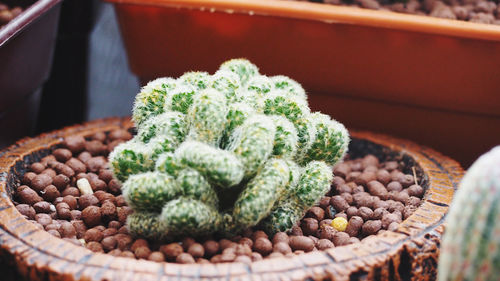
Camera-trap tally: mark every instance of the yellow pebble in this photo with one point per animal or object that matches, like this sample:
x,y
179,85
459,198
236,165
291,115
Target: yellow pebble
x,y
339,223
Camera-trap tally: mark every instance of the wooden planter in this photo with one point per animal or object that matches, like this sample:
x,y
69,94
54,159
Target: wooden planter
x,y
410,253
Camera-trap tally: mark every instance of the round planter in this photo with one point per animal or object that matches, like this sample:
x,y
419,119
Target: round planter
x,y
410,253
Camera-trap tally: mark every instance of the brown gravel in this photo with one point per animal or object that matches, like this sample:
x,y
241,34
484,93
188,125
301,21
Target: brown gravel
x,y
373,196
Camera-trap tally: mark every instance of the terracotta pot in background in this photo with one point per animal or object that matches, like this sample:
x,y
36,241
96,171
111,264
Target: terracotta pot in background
x,y
26,48
409,253
434,81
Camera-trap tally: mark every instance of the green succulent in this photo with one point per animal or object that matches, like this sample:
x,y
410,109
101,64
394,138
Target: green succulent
x,y
151,100
225,152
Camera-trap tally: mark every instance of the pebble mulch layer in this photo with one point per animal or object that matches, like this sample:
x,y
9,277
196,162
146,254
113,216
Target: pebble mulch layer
x,y
72,194
480,11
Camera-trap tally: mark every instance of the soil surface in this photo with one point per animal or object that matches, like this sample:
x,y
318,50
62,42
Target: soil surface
x,y
372,196
480,11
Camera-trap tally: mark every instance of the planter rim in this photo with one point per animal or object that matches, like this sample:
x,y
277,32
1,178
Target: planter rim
x,y
37,253
335,14
24,19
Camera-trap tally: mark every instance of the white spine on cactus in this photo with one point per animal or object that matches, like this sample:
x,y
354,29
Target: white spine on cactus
x,y
306,132
285,139
470,248
236,115
257,200
168,163
150,191
242,67
250,98
332,140
171,124
150,101
194,185
260,85
314,182
198,79
280,102
252,142
221,167
207,117
227,83
295,173
289,85
180,98
129,158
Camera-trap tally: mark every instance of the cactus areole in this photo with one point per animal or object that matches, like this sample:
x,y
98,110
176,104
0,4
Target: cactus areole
x,y
225,152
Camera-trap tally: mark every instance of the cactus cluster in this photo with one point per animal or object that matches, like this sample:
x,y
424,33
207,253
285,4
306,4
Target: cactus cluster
x,y
471,244
225,152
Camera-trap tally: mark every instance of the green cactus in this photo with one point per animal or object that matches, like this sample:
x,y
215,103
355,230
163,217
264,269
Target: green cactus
x,y
186,215
260,85
150,191
470,248
221,167
237,114
150,101
199,80
314,182
242,67
171,124
253,142
167,163
130,158
180,98
207,117
281,103
258,198
283,217
285,139
331,140
306,133
289,85
227,83
146,224
225,152
194,185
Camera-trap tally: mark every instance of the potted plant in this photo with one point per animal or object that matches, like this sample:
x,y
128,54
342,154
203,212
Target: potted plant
x,y
373,222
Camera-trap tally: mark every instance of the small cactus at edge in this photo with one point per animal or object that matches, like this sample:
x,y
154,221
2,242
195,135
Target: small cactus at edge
x,y
224,152
470,249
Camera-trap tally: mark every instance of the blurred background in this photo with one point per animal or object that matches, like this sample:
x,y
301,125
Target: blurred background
x,y
90,76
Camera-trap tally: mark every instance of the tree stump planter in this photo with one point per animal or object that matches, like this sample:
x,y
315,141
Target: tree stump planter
x,y
410,253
